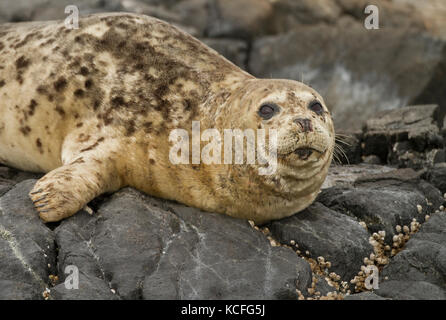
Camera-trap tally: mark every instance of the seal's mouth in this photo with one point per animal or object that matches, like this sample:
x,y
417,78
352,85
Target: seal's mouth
x,y
304,153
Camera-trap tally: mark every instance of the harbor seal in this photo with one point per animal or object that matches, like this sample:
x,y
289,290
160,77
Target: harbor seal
x,y
93,108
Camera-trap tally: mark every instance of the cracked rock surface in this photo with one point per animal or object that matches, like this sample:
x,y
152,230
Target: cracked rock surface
x,y
407,137
138,247
384,200
339,238
135,246
27,247
419,271
150,249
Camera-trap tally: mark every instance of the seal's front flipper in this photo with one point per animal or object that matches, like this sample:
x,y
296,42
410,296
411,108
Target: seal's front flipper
x,y
65,190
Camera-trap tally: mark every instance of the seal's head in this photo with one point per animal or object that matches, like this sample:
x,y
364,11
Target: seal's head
x,y
305,132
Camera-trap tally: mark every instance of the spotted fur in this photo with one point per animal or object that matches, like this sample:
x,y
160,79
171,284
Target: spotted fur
x,y
93,108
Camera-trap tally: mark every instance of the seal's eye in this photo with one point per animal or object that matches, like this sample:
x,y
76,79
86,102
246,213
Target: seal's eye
x,y
317,108
267,110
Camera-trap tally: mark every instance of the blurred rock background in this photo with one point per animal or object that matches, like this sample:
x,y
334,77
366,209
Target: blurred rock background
x,y
321,42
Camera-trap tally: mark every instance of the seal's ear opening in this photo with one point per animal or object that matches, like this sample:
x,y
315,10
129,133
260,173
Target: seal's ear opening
x,y
268,110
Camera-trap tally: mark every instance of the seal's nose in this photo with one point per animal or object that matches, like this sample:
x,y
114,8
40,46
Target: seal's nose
x,y
305,124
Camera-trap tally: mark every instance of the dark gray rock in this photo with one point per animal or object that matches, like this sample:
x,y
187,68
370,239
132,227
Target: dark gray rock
x,y
408,137
346,176
385,200
151,9
25,10
9,177
437,176
364,296
90,288
232,49
348,147
324,232
411,290
146,248
432,13
193,16
371,159
5,185
194,13
139,247
7,173
239,18
336,59
290,14
323,286
20,10
14,175
405,137
392,14
19,290
419,271
27,248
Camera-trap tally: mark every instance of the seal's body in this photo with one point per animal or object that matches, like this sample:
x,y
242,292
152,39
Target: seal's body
x,y
93,107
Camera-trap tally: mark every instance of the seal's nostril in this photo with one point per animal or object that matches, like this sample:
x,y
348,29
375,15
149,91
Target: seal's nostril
x,y
305,124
